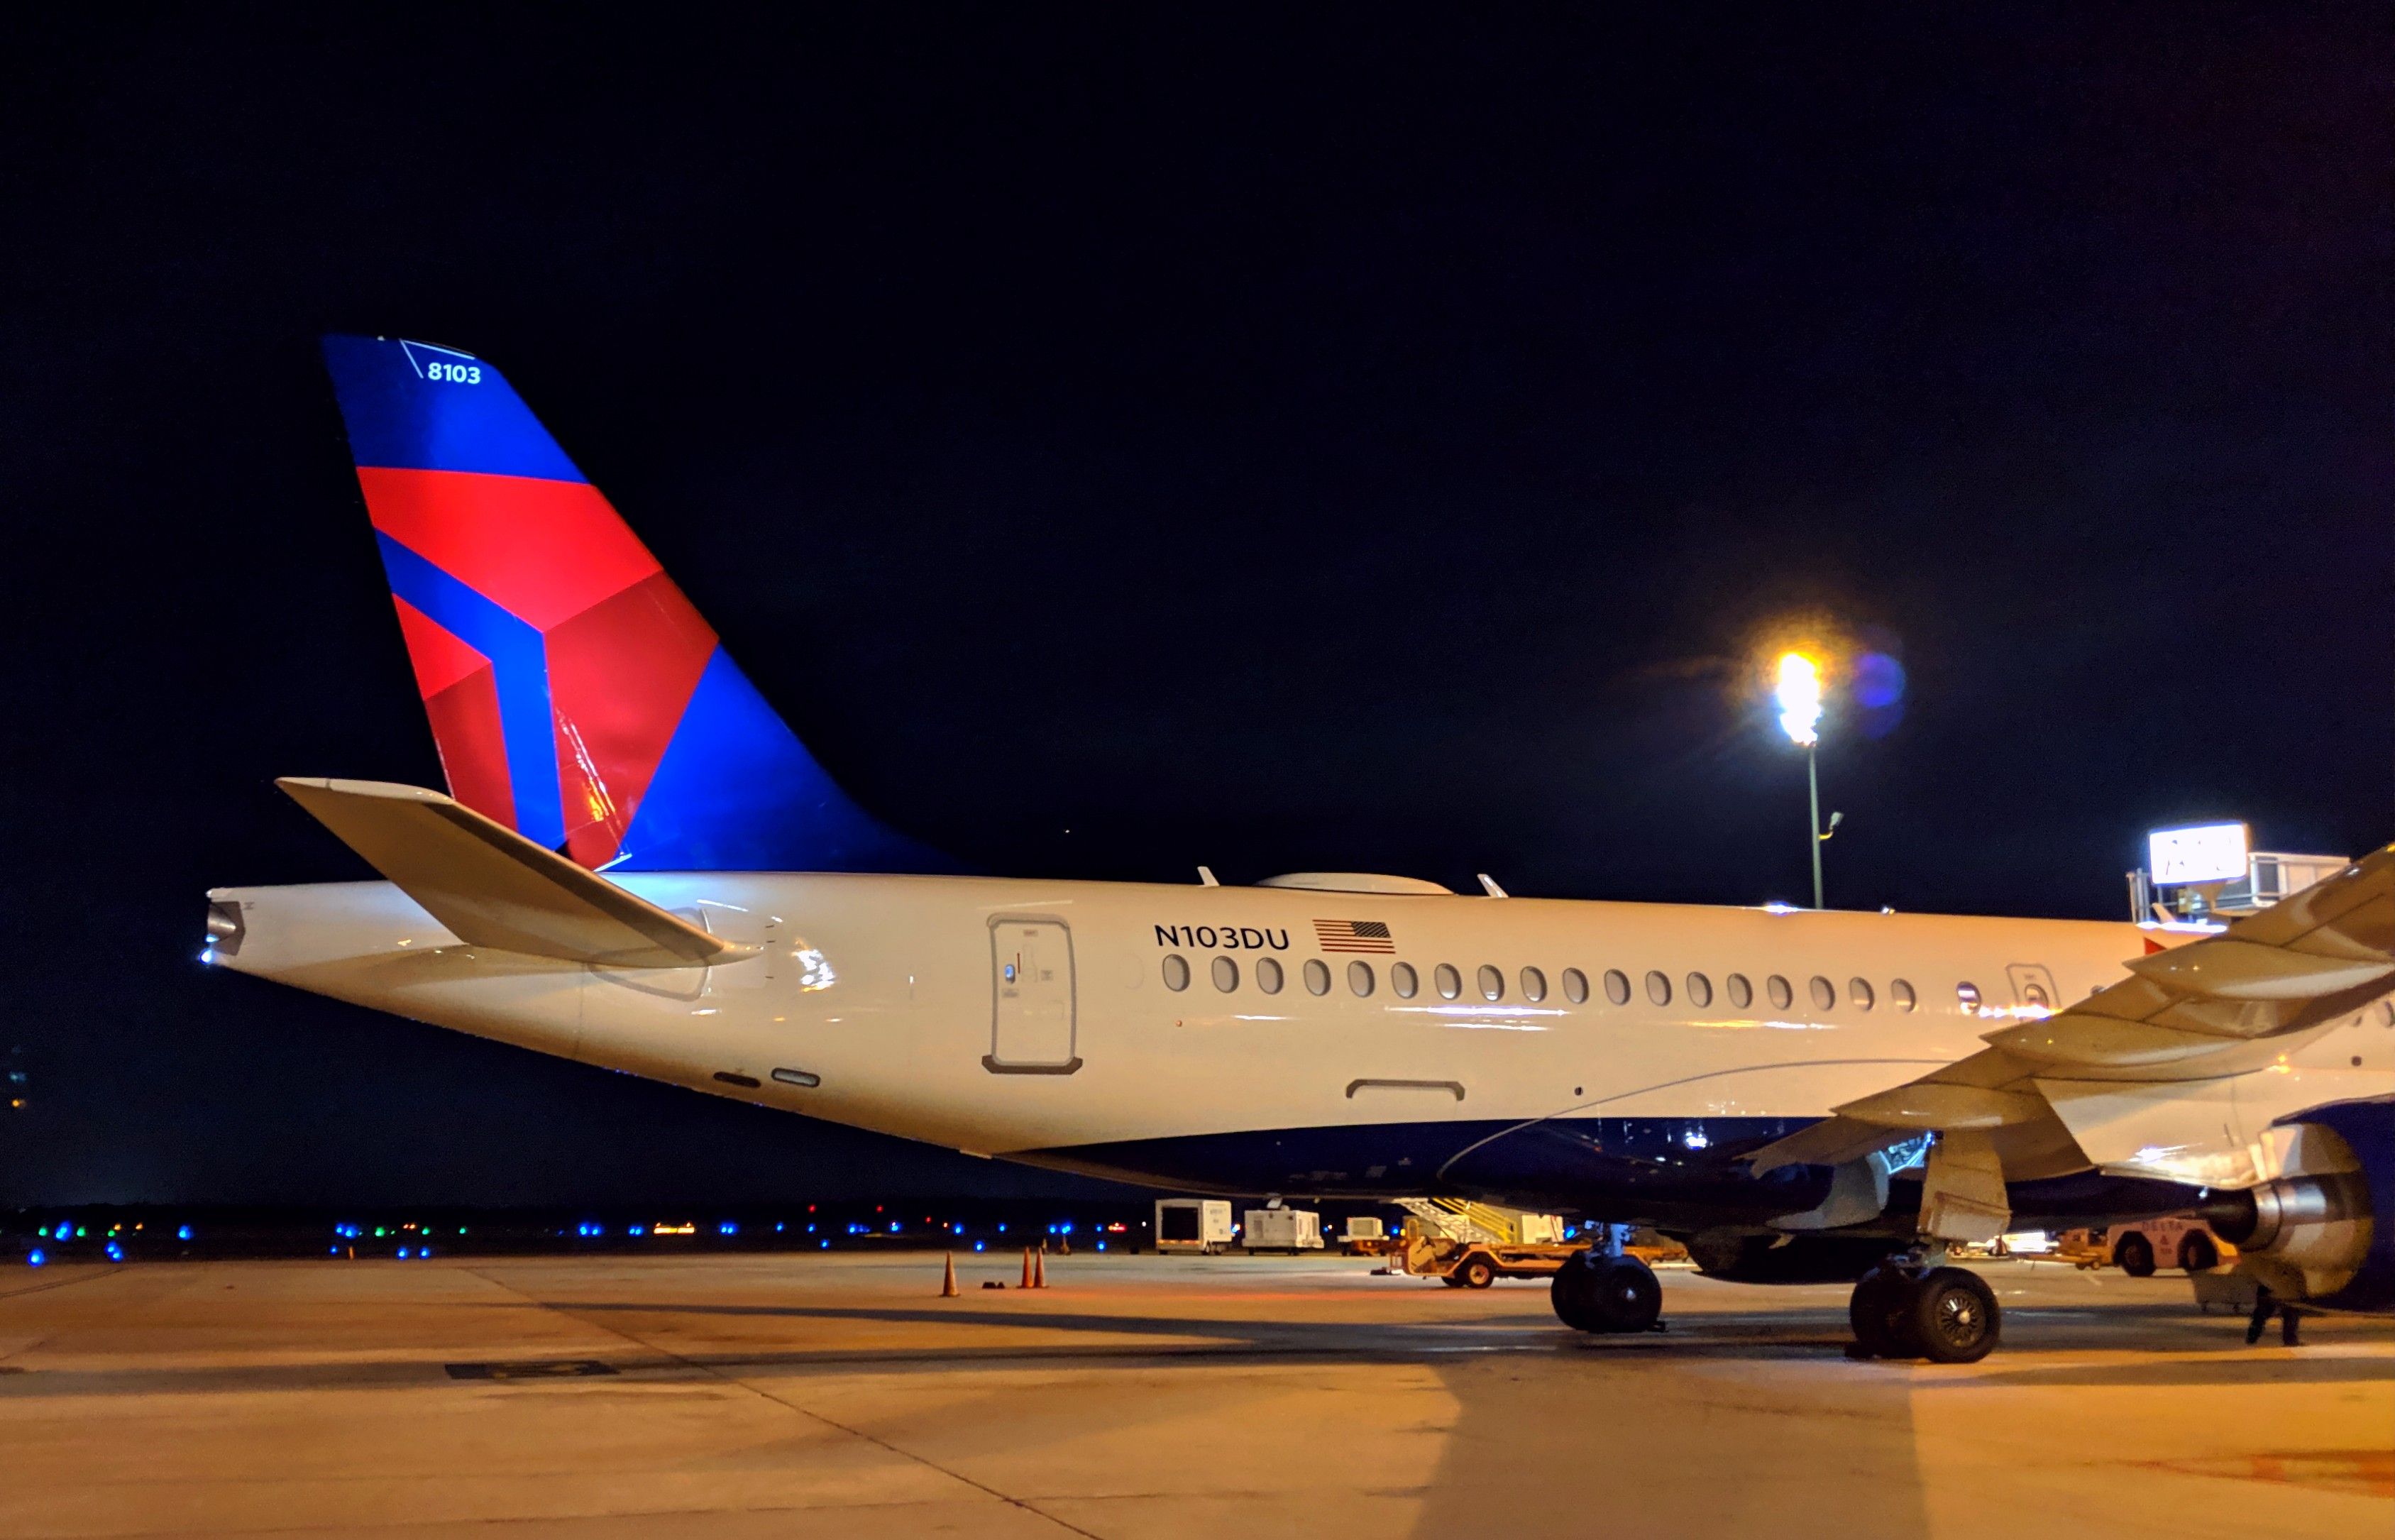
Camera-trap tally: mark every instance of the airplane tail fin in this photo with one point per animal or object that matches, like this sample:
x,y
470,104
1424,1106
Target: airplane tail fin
x,y
576,696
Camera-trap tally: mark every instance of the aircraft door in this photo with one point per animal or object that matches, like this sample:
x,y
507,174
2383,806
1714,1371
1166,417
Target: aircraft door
x,y
1032,1030
2034,987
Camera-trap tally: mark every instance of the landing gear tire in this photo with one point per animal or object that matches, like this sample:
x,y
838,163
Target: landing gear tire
x,y
1951,1317
1878,1314
1474,1273
1616,1293
1946,1315
2134,1256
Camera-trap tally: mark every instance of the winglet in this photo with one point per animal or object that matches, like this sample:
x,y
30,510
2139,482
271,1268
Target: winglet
x,y
493,888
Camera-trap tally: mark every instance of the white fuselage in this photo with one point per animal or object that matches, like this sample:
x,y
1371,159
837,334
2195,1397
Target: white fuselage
x,y
1028,1018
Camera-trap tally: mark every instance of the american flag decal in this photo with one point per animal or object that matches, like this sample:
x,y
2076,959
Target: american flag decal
x,y
1354,935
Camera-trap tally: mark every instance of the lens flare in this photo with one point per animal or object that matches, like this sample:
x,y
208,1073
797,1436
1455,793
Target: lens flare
x,y
1800,698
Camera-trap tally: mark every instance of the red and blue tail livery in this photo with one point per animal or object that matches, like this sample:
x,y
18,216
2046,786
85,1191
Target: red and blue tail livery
x,y
576,696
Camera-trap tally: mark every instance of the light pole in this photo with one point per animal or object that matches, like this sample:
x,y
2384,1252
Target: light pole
x,y
1800,716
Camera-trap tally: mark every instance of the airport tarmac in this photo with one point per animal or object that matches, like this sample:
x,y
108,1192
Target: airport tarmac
x,y
738,1395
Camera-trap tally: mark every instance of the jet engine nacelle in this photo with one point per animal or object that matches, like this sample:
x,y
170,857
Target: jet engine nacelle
x,y
2324,1232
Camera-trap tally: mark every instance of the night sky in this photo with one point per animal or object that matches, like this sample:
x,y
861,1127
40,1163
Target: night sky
x,y
1370,440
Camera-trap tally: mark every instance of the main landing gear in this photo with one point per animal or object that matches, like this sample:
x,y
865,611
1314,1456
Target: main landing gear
x,y
1904,1309
1597,1293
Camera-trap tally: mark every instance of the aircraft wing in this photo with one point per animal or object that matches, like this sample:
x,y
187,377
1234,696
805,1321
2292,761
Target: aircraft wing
x,y
2184,1021
491,887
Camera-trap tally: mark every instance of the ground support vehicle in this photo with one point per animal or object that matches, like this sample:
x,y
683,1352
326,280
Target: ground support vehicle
x,y
2138,1247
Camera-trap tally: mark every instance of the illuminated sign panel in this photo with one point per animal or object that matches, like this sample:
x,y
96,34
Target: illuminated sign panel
x,y
2200,853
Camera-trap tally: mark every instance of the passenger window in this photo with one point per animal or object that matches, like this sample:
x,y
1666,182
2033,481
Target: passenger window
x,y
1268,975
1492,983
1967,997
1742,993
1781,995
1701,990
1616,986
1360,978
1825,994
1901,992
1226,975
1403,980
2035,994
1176,972
1450,983
1317,976
1534,985
1860,991
1658,988
1576,985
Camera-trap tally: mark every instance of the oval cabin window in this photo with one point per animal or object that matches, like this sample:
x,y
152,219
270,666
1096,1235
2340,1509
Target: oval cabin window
x,y
1176,972
1901,994
1576,985
1226,975
1492,983
1534,985
1402,979
1825,994
1450,983
1860,991
1317,976
1268,975
1742,993
1616,986
1658,986
1701,990
1781,995
1360,978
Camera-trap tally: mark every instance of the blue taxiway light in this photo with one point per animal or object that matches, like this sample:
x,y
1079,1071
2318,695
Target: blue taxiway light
x,y
35,1257
182,1233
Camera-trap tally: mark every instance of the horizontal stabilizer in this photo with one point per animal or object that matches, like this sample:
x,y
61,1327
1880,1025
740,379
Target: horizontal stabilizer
x,y
491,887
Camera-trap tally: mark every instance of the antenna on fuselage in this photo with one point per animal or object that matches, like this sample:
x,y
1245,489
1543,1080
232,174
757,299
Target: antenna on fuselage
x,y
1491,884
1206,877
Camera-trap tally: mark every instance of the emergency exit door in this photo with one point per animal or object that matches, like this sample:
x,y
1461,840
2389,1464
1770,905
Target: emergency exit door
x,y
1031,977
2034,987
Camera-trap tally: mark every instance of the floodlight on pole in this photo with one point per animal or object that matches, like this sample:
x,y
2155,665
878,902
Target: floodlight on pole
x,y
1800,716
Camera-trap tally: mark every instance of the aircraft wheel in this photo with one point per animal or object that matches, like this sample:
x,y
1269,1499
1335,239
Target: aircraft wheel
x,y
1475,1272
1876,1311
2134,1256
1623,1296
1569,1294
1951,1317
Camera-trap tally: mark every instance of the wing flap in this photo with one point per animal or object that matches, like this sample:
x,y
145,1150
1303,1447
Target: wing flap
x,y
491,887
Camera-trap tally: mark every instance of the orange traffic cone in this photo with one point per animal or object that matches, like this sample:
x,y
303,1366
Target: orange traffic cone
x,y
1039,1270
1026,1267
948,1279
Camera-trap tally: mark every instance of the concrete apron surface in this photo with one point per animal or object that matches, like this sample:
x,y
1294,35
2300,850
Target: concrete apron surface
x,y
784,1394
